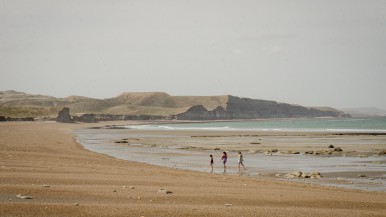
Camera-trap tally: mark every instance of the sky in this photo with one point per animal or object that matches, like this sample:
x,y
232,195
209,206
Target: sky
x,y
307,52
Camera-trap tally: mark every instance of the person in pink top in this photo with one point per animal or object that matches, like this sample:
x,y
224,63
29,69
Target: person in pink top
x,y
224,159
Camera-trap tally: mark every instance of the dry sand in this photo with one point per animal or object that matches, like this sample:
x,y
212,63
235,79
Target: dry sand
x,y
43,161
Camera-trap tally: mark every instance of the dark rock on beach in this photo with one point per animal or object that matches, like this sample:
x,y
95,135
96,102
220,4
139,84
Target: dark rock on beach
x,y
64,116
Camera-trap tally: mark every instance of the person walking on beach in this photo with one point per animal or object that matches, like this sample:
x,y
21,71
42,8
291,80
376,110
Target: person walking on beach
x,y
224,159
240,161
211,163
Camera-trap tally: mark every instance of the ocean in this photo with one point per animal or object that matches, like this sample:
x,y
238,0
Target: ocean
x,y
371,124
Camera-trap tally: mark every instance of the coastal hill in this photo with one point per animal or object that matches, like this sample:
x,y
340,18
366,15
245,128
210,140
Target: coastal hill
x,y
365,112
158,104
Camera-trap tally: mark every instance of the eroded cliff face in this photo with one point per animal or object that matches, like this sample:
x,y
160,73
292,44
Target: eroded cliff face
x,y
199,112
245,108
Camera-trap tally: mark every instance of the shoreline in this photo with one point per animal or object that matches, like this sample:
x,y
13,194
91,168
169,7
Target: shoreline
x,y
189,149
43,160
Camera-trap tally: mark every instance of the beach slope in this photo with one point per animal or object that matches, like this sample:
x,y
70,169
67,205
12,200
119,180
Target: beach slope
x,y
42,161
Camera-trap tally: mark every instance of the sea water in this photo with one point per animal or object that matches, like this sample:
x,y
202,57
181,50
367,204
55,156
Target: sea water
x,y
371,124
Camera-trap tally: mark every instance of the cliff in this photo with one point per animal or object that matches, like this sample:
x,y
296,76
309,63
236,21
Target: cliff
x,y
245,108
152,105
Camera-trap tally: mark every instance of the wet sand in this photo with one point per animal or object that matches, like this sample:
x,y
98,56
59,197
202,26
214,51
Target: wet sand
x,y
43,160
353,162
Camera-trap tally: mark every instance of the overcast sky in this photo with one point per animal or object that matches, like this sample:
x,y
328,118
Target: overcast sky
x,y
312,53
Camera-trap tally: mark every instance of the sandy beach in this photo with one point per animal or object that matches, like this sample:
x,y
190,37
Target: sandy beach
x,y
43,161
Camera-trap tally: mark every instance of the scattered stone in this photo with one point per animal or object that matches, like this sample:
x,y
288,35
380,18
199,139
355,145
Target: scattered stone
x,y
216,149
268,153
124,186
255,143
362,176
331,146
274,150
46,186
338,149
296,152
278,175
228,204
293,175
114,190
139,198
309,152
313,175
316,175
132,187
382,152
76,204
164,191
23,196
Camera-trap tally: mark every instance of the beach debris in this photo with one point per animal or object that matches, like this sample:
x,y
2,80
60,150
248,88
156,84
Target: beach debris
x,y
338,149
46,186
309,152
139,198
26,197
274,150
124,186
278,175
268,153
76,204
132,187
216,149
114,190
296,152
252,151
331,146
228,204
122,141
362,176
164,191
363,156
255,143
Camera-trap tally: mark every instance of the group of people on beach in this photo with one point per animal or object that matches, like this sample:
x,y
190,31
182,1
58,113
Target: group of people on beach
x,y
224,159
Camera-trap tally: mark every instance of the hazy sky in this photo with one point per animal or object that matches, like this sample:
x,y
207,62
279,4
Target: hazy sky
x,y
313,53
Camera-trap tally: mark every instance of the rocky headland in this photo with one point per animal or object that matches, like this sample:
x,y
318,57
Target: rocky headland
x,y
151,106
